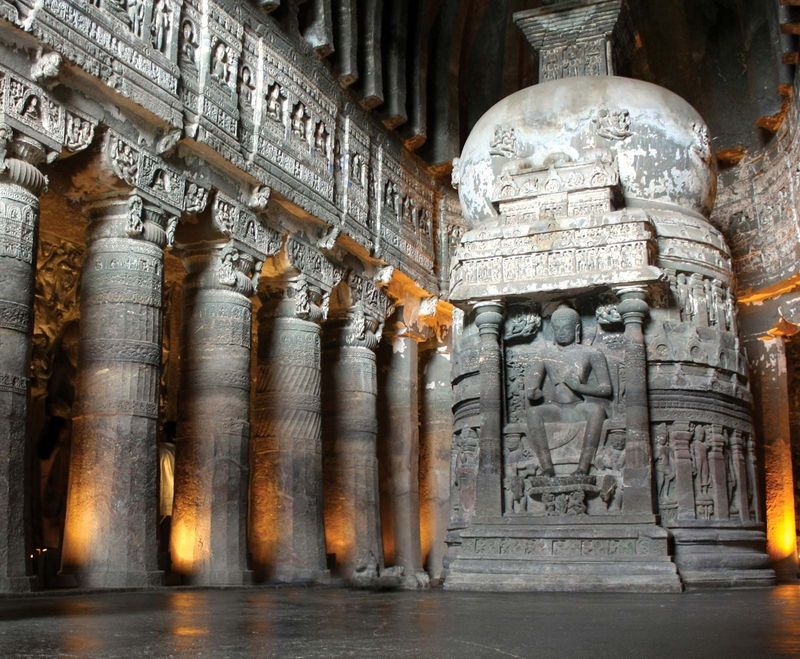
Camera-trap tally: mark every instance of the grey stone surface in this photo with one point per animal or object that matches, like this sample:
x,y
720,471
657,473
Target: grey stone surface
x,y
350,463
605,315
20,186
436,429
399,450
325,623
287,538
110,534
208,539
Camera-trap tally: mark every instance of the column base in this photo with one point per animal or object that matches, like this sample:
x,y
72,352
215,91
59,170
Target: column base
x,y
115,580
720,555
24,584
219,579
300,577
562,555
417,580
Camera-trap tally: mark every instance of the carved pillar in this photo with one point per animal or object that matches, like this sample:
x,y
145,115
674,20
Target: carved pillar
x,y
436,428
489,495
738,448
767,359
20,185
208,538
287,537
719,474
398,450
679,438
637,475
352,518
110,531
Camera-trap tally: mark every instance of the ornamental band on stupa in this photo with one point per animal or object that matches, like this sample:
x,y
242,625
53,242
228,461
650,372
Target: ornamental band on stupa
x,y
279,348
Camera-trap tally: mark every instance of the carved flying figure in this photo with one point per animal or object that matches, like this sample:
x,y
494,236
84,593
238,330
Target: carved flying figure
x,y
567,367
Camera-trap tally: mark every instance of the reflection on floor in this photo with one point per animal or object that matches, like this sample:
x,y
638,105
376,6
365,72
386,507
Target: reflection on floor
x,y
337,623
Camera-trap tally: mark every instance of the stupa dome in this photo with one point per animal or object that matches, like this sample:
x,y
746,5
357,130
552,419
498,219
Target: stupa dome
x,y
658,142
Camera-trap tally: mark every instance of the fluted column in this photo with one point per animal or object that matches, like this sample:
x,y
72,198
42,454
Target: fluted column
x,y
436,431
110,531
208,537
352,517
20,185
287,537
398,450
489,495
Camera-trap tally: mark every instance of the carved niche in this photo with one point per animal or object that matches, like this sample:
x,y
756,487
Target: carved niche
x,y
529,487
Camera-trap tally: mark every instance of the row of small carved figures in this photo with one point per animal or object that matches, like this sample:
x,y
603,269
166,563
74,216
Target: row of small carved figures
x,y
704,301
222,67
664,460
465,454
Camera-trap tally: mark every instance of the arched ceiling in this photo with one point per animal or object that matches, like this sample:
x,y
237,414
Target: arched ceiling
x,y
430,68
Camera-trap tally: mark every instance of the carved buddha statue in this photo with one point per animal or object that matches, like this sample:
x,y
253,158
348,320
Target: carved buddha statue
x,y
572,371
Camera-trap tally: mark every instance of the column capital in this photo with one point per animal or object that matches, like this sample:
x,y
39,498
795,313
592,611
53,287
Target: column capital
x,y
397,327
633,305
489,316
220,266
292,298
297,258
20,158
353,327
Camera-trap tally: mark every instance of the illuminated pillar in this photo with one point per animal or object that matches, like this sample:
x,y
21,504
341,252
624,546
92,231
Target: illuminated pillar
x,y
398,450
112,511
436,429
767,358
350,465
209,523
20,185
287,537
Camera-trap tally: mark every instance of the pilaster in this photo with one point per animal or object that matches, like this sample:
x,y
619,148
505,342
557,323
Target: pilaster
x,y
489,319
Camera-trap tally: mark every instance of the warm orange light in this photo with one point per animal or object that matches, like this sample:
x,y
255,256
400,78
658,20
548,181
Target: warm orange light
x,y
781,530
80,525
426,523
189,538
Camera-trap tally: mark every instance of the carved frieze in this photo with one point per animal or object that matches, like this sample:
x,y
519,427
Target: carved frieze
x,y
131,47
612,248
244,226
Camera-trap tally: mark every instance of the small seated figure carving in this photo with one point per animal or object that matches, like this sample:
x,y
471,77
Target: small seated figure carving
x,y
567,366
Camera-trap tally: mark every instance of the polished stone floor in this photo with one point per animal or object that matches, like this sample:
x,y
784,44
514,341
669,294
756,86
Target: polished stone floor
x,y
340,623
